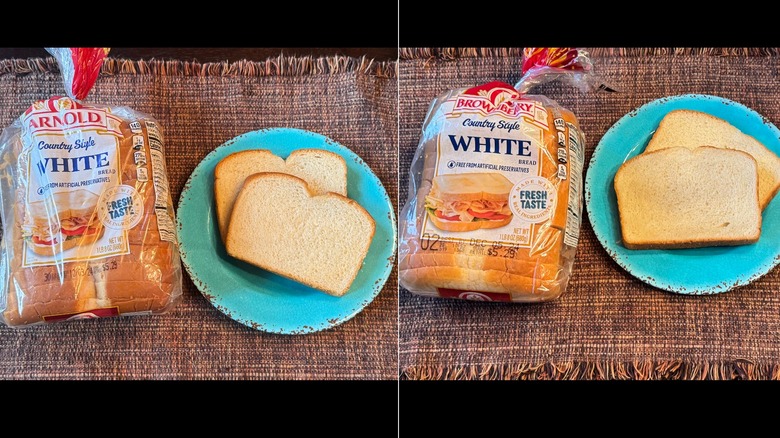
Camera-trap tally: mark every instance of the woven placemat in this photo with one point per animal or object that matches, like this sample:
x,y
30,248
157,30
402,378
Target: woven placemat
x,y
353,101
608,325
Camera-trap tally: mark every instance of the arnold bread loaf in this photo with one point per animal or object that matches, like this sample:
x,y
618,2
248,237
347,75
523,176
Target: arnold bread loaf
x,y
87,217
88,222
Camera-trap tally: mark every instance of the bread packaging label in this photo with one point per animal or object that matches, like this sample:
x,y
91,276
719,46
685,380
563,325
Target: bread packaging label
x,y
495,193
88,221
488,182
72,156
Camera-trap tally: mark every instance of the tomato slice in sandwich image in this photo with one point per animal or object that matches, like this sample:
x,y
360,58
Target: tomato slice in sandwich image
x,y
62,221
469,201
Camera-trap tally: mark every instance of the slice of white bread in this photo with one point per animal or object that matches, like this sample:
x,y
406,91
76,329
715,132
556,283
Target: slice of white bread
x,y
280,225
324,171
682,198
691,129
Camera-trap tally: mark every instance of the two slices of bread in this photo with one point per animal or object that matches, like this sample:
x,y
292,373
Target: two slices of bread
x,y
293,217
700,182
691,129
280,225
324,171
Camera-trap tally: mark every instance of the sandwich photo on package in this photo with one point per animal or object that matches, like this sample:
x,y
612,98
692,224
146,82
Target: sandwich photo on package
x,y
77,214
469,201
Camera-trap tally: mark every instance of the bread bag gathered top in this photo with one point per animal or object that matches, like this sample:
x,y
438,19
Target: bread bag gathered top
x,y
495,192
88,221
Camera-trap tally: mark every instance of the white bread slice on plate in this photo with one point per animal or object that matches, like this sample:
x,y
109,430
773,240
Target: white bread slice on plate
x,y
682,198
280,225
324,171
691,129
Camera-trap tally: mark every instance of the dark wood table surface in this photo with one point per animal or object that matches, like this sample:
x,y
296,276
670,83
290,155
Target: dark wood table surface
x,y
215,54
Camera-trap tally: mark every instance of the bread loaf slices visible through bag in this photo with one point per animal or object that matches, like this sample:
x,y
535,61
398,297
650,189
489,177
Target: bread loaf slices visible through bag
x,y
323,170
691,129
35,294
683,198
319,240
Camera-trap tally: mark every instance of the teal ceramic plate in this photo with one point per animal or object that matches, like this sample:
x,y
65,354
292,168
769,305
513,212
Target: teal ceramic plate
x,y
685,271
260,299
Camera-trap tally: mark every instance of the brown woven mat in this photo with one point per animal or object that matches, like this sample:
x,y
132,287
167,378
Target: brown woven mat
x,y
353,101
608,325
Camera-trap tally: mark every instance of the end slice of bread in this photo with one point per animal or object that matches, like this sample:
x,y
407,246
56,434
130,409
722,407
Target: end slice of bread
x,y
323,170
280,225
691,129
682,198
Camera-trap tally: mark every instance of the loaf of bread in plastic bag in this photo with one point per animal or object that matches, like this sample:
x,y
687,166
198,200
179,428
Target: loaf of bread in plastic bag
x,y
527,254
88,221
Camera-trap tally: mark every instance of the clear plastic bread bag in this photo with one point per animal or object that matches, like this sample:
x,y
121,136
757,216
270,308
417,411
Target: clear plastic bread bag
x,y
88,220
495,188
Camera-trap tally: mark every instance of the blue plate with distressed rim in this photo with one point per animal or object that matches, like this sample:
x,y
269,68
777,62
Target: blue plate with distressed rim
x,y
686,271
258,298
